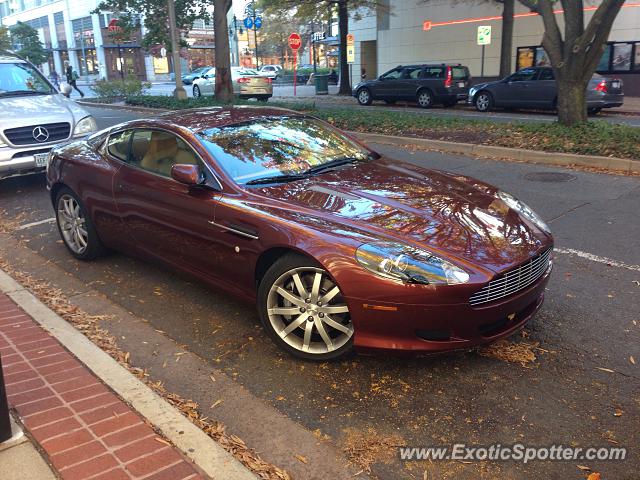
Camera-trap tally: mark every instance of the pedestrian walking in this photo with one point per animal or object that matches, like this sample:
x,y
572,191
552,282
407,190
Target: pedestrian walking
x,y
55,79
72,77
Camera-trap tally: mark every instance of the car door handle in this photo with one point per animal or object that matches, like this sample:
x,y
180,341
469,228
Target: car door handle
x,y
238,230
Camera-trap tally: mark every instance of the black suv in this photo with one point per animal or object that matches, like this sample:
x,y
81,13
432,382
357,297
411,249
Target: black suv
x,y
425,84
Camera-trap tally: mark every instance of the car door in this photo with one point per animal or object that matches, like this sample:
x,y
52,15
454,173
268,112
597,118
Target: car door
x,y
408,83
208,82
545,89
167,219
386,88
515,90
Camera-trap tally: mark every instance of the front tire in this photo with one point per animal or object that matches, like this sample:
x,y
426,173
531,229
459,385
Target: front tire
x,y
484,102
594,111
75,227
425,99
364,97
304,311
196,91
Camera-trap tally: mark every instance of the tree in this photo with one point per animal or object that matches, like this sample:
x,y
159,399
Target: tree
x,y
155,14
346,8
574,56
5,40
27,43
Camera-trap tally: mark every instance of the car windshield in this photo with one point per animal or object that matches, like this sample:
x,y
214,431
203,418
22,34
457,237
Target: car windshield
x,y
281,146
21,78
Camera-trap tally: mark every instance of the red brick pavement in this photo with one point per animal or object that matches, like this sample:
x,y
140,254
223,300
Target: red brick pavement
x,y
85,429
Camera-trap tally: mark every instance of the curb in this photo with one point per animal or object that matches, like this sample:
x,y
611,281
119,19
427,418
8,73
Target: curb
x,y
517,154
210,457
471,149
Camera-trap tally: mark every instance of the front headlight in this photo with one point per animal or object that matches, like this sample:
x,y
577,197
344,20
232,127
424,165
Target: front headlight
x,y
522,208
408,264
84,126
472,91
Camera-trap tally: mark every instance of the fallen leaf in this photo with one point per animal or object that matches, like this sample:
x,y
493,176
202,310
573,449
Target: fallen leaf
x,y
584,468
632,360
301,458
606,369
594,476
216,403
161,440
617,413
212,378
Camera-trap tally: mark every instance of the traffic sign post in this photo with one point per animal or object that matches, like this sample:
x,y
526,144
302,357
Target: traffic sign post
x,y
484,39
351,53
295,42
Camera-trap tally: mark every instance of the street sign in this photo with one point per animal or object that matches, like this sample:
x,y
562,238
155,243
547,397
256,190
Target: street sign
x,y
295,42
248,23
351,40
351,54
258,22
484,35
113,25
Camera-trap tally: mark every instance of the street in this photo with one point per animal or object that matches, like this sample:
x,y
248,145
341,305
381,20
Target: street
x,y
582,390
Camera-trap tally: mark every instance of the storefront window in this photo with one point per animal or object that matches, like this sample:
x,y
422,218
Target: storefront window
x,y
636,63
88,61
525,58
621,57
542,59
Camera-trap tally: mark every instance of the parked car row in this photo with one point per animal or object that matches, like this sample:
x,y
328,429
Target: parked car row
x,y
247,83
446,84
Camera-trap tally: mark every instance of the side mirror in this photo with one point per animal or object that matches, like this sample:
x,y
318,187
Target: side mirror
x,y
65,89
187,174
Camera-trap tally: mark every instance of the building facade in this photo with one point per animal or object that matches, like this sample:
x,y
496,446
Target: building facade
x,y
417,31
70,32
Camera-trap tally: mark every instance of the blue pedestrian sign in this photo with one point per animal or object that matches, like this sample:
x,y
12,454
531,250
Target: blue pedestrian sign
x,y
248,23
258,22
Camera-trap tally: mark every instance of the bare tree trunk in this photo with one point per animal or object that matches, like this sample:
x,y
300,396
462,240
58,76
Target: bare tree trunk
x,y
224,87
507,37
343,28
572,104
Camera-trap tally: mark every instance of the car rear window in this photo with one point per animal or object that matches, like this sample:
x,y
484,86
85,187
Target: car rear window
x,y
432,72
459,73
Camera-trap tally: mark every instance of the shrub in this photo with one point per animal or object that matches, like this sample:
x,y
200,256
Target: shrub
x,y
119,88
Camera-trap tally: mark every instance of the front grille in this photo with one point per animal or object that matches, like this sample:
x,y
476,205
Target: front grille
x,y
514,280
25,135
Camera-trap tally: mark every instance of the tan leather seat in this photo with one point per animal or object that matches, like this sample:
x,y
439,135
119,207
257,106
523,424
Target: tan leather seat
x,y
164,152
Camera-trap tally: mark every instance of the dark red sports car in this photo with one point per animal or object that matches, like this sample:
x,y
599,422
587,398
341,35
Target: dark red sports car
x,y
339,247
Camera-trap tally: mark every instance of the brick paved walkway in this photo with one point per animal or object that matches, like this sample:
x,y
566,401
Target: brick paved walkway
x,y
86,431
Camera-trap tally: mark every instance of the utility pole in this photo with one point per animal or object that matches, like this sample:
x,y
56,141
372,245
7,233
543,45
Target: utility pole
x,y
313,47
255,31
179,92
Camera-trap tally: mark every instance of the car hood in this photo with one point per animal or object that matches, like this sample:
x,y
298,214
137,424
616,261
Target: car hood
x,y
39,109
480,86
452,215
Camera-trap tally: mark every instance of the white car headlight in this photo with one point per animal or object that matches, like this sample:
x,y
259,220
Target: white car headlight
x,y
409,264
522,208
84,126
472,91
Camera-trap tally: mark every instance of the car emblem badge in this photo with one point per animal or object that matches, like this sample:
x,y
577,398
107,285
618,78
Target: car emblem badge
x,y
511,316
40,134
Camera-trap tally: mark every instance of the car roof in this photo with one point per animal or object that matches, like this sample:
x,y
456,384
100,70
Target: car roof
x,y
198,119
8,57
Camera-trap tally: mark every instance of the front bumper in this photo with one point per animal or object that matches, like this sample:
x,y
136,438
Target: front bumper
x,y
18,161
446,327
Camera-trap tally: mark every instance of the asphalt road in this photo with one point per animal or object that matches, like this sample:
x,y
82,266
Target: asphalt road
x,y
583,390
307,92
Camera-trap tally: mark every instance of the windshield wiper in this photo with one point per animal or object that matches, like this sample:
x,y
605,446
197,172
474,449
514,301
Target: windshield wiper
x,y
23,92
332,164
277,179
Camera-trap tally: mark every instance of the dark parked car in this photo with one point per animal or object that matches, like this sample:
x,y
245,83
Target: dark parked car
x,y
338,246
188,78
426,84
535,87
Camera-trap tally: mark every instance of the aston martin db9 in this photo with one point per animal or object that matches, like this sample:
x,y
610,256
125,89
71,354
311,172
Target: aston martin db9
x,y
340,248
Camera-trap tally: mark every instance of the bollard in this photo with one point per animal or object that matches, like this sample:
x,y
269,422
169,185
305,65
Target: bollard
x,y
5,422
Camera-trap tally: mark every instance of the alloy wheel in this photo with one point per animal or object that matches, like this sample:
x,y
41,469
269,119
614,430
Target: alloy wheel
x,y
483,102
308,312
72,224
196,91
425,99
364,97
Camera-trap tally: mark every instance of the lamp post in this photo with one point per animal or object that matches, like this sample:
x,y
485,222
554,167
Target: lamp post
x,y
179,92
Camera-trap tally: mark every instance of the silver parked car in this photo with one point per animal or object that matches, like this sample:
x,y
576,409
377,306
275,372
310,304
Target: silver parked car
x,y
35,117
247,83
535,87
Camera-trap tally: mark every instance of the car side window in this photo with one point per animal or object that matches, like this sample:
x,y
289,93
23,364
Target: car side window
x,y
393,74
432,72
525,75
411,73
118,145
546,74
157,151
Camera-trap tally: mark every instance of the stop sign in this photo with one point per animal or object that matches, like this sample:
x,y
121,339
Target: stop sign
x,y
295,42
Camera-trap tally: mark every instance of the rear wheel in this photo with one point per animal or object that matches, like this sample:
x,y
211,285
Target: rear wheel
x,y
304,311
196,91
594,111
364,97
484,102
425,99
75,227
